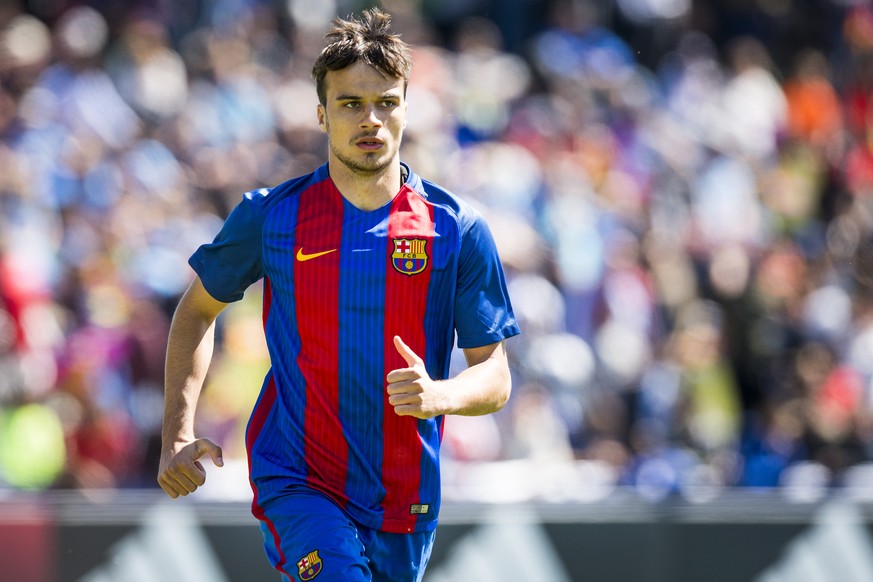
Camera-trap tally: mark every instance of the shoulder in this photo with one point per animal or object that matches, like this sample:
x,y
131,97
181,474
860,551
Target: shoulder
x,y
446,201
267,198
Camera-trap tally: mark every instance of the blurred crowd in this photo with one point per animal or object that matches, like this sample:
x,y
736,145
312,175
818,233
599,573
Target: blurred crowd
x,y
682,194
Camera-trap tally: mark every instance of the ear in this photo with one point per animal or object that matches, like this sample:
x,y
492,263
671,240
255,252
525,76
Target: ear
x,y
322,117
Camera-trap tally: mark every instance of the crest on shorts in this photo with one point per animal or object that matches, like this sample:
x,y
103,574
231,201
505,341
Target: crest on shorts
x,y
410,255
309,566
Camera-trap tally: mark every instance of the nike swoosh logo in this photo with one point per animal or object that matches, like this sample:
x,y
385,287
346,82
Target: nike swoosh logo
x,y
304,257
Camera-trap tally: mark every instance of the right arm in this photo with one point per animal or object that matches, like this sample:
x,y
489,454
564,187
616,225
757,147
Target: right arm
x,y
189,353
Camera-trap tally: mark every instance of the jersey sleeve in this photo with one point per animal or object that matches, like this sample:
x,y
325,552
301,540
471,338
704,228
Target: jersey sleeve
x,y
483,311
233,261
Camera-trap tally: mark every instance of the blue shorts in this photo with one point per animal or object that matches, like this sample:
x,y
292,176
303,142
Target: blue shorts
x,y
307,536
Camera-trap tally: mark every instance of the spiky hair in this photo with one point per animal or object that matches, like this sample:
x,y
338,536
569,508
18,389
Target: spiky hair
x,y
367,39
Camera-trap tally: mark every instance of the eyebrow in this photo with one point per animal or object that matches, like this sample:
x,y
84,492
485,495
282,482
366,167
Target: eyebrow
x,y
359,98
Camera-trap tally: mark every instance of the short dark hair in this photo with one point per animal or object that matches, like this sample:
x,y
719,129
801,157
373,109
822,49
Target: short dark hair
x,y
366,39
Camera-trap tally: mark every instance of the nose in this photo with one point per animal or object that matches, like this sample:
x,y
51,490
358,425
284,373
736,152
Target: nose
x,y
370,116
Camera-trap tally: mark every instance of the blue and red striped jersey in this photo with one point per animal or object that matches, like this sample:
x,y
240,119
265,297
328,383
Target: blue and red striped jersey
x,y
339,284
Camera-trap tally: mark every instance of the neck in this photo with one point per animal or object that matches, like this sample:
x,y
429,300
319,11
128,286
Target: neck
x,y
366,191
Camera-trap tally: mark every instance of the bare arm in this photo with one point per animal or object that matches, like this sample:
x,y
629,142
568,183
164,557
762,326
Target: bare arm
x,y
189,353
482,388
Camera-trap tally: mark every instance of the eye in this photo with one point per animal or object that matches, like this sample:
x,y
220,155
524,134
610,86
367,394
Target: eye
x,y
351,104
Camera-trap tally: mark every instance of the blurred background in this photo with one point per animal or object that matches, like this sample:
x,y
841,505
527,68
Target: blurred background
x,y
681,192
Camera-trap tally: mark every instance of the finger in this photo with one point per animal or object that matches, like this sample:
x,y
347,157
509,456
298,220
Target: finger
x,y
409,410
205,446
184,479
403,410
404,350
167,487
401,399
398,376
191,476
176,485
185,472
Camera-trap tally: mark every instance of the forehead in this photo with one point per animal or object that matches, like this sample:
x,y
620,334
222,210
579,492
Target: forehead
x,y
362,80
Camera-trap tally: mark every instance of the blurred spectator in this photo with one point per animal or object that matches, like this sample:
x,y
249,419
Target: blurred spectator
x,y
681,192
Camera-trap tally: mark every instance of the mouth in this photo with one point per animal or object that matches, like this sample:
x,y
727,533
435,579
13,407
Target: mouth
x,y
369,143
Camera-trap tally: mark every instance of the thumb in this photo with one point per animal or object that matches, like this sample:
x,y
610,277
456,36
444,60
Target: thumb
x,y
405,351
207,447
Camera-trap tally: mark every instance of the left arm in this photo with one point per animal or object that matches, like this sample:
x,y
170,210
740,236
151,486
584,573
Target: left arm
x,y
482,388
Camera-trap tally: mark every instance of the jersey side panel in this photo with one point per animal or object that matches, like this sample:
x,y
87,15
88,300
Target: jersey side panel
x,y
274,435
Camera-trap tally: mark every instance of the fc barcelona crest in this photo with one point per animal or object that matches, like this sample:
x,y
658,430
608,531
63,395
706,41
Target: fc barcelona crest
x,y
309,566
410,255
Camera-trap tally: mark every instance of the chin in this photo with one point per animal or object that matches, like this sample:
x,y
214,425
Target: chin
x,y
367,165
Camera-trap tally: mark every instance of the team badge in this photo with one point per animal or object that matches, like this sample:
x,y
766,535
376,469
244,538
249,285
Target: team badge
x,y
309,566
410,255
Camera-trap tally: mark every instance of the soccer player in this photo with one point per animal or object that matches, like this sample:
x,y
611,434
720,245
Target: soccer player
x,y
369,273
